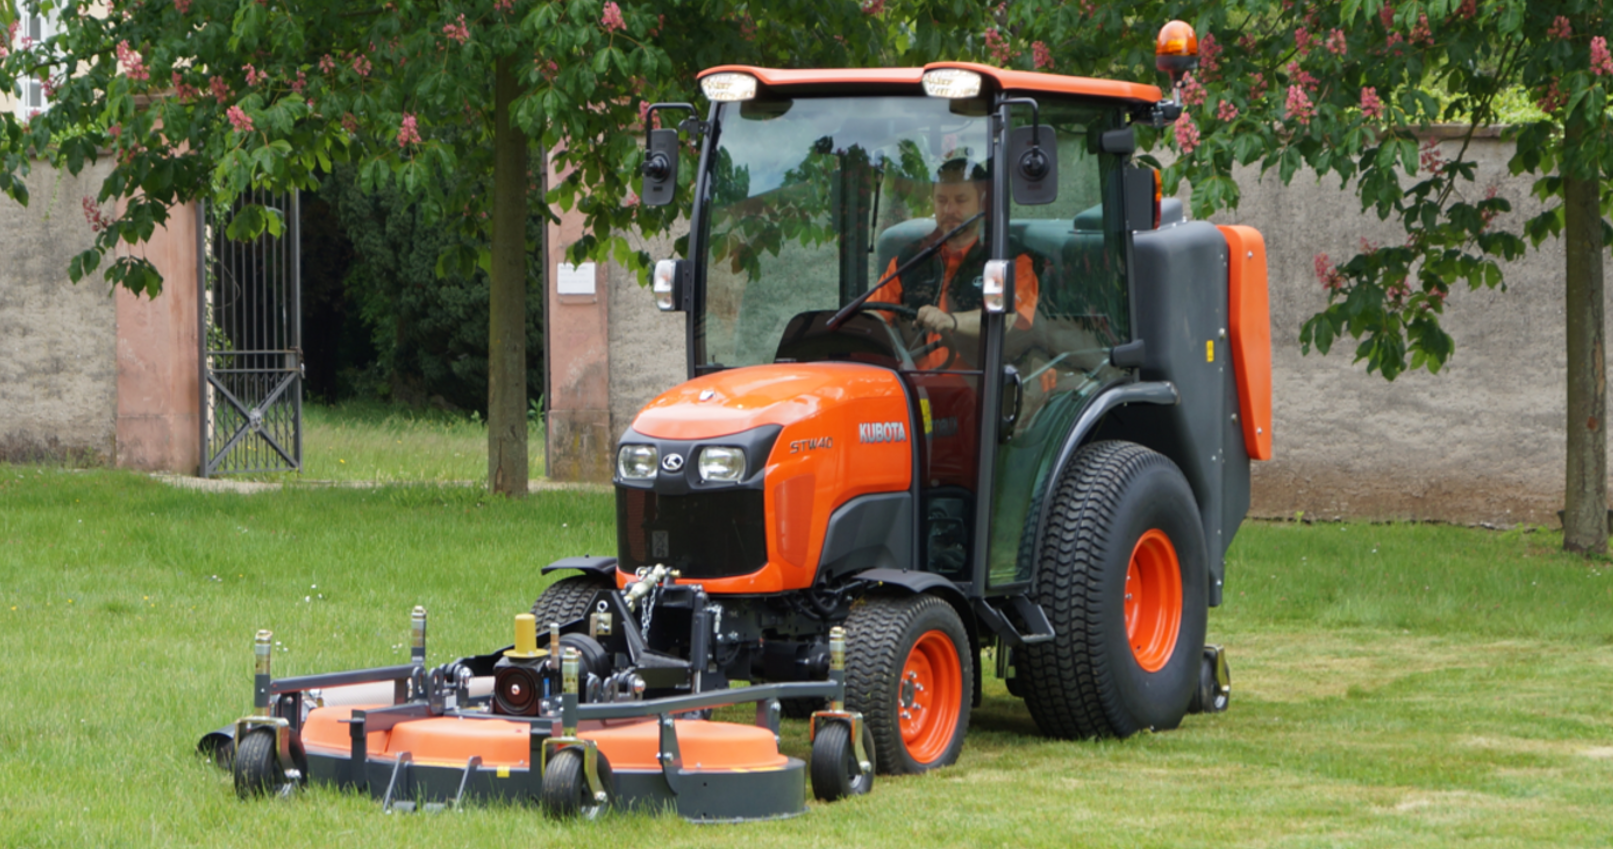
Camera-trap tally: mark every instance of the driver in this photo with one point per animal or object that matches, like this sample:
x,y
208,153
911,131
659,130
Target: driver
x,y
945,288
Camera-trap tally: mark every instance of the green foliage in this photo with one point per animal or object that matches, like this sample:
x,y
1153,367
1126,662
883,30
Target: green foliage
x,y
208,98
427,322
1346,88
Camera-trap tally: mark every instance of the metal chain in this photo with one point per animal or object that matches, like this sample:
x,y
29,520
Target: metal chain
x,y
649,611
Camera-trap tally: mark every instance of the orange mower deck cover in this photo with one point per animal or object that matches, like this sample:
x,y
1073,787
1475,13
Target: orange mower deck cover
x,y
450,741
1249,314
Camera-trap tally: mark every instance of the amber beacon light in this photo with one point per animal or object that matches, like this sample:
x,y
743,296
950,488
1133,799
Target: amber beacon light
x,y
1176,51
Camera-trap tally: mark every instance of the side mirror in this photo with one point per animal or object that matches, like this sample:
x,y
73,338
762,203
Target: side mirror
x,y
667,284
1033,160
660,168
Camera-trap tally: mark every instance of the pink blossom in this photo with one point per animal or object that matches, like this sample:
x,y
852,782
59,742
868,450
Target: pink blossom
x,y
1468,9
97,219
1192,90
219,89
239,119
504,6
349,123
873,7
133,65
461,33
185,92
1431,158
1187,134
48,85
1328,274
1601,61
1551,98
1422,33
1299,105
115,131
1303,41
1299,75
1209,55
1371,106
1489,214
998,46
1257,86
612,19
1337,44
1386,16
300,83
1561,28
747,28
361,64
1041,55
183,6
1226,111
326,64
253,75
632,199
407,132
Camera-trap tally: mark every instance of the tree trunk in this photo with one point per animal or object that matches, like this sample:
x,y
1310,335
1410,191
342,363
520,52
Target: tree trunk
x,y
506,307
1585,498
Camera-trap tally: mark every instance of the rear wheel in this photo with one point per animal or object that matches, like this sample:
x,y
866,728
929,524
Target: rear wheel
x,y
1122,574
910,673
567,599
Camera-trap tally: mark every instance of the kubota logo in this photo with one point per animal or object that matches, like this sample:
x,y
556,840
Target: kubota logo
x,y
672,462
881,432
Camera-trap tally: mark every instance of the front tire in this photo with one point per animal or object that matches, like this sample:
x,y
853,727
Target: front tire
x,y
910,673
565,785
566,600
1123,575
256,766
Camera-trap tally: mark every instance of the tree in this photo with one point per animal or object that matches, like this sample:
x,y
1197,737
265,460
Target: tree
x,y
207,98
1341,86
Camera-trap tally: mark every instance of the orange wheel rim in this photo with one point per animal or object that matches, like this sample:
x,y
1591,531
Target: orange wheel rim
x,y
929,697
1153,600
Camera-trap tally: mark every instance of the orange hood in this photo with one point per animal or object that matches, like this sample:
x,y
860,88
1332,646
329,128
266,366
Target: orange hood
x,y
744,398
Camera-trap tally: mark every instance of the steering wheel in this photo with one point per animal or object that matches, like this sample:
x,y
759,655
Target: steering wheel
x,y
910,313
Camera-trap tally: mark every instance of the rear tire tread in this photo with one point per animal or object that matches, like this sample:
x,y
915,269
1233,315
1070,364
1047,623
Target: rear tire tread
x,y
566,599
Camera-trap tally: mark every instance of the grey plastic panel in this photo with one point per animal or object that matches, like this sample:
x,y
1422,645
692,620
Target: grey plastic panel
x,y
1180,310
869,532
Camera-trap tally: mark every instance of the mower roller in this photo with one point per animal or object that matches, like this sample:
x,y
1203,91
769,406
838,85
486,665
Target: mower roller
x,y
963,391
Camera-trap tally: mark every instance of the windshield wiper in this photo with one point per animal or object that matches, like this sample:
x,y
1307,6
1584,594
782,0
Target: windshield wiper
x,y
848,309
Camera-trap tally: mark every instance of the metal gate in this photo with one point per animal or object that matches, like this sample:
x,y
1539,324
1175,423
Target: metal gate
x,y
250,319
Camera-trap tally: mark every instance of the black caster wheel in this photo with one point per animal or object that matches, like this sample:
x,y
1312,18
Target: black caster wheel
x,y
256,768
566,793
836,773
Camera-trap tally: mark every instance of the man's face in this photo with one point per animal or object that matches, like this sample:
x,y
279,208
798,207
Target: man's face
x,y
955,203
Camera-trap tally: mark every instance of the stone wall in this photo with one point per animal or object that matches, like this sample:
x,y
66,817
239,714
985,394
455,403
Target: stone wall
x,y
58,340
1480,442
88,376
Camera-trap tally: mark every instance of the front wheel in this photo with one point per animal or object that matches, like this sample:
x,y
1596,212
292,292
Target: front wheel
x,y
257,767
836,773
910,673
1122,573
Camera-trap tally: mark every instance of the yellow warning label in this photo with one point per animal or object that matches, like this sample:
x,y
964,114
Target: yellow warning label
x,y
503,772
1209,350
924,409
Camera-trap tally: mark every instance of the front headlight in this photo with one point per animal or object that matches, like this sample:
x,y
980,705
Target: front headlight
x,y
721,463
637,462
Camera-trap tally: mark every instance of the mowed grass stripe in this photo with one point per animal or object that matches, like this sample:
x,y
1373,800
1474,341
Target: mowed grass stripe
x,y
1367,710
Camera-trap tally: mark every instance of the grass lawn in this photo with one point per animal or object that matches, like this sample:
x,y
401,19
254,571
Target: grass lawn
x,y
1394,685
374,442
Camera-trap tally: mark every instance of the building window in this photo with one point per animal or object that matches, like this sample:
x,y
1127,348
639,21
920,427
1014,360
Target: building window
x,y
33,27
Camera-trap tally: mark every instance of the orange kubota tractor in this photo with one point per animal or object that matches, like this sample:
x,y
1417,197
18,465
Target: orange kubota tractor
x,y
958,379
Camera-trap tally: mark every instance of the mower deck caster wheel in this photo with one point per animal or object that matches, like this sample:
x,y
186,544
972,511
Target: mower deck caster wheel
x,y
836,773
565,786
255,767
1214,693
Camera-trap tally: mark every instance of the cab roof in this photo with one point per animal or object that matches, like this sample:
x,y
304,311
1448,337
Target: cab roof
x,y
843,79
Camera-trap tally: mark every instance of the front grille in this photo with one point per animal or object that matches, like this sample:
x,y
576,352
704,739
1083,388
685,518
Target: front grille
x,y
702,534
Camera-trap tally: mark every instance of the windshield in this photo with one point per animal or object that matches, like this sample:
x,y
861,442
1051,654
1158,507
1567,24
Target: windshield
x,y
814,199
